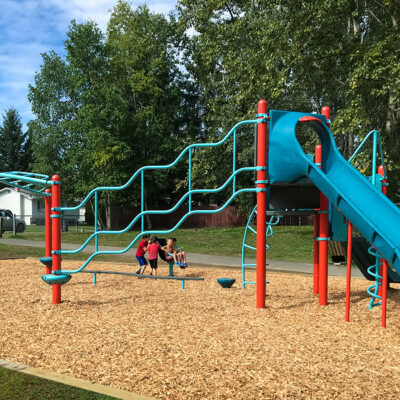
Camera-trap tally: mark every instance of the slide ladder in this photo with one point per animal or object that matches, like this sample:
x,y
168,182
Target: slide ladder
x,y
249,237
373,270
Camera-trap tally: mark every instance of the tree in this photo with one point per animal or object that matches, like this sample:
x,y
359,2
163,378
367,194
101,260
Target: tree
x,y
157,98
298,56
112,105
14,144
79,115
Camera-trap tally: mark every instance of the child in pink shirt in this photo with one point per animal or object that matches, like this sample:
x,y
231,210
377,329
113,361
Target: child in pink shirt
x,y
153,249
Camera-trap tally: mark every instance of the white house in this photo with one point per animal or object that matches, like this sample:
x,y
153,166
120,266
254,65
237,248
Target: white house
x,y
30,207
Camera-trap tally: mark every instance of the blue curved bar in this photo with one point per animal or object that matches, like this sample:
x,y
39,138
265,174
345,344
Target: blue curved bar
x,y
168,211
274,220
159,231
24,178
133,177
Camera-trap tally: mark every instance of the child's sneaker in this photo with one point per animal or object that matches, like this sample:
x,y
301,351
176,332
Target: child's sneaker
x,y
185,265
177,264
138,271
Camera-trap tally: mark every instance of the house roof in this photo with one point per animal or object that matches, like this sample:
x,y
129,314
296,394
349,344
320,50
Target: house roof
x,y
21,192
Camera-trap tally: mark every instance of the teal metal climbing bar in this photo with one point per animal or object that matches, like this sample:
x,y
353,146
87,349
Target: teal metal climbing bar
x,y
188,196
376,146
373,270
150,232
273,221
161,167
29,181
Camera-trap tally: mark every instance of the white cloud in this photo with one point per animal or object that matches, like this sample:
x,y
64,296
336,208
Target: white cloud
x,y
95,10
31,27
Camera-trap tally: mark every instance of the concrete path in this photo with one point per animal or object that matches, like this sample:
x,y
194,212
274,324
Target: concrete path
x,y
206,259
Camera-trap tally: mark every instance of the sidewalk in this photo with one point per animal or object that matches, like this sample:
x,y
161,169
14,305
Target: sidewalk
x,y
206,259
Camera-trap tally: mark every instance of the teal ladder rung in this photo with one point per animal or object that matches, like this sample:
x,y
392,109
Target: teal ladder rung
x,y
252,229
249,265
250,247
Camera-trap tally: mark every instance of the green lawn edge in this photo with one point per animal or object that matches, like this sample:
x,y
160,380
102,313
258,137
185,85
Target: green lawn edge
x,y
16,385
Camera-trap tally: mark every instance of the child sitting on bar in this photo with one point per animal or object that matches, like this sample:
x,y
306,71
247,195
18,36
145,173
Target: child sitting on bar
x,y
180,255
169,251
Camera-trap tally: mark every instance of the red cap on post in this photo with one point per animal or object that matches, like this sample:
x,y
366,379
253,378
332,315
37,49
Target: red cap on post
x,y
262,107
327,112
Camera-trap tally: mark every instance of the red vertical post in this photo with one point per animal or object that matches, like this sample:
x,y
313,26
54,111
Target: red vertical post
x,y
384,293
381,172
317,161
56,233
47,225
348,272
262,140
383,269
323,237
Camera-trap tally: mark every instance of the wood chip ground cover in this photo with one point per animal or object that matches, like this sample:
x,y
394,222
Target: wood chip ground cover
x,y
205,342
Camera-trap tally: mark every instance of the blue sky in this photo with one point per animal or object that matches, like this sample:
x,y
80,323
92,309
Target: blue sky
x,y
31,27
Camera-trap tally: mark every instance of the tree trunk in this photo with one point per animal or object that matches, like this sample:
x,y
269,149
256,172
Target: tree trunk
x,y
99,219
350,144
393,112
356,28
108,212
147,218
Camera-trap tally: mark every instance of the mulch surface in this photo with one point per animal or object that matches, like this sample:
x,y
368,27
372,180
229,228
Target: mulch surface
x,y
151,337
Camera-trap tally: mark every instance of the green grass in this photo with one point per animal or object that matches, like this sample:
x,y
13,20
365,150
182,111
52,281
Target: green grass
x,y
290,243
13,251
16,385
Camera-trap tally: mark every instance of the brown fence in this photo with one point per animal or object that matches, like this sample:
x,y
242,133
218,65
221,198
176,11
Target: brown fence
x,y
121,216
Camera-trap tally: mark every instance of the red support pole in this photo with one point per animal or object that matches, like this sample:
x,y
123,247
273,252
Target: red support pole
x,y
317,161
348,272
323,237
262,140
384,293
383,269
381,172
47,226
56,233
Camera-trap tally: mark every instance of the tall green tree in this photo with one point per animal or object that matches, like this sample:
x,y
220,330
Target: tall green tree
x,y
298,56
15,152
80,114
159,101
116,102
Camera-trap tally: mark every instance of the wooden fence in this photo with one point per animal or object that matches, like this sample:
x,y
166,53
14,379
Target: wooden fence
x,y
121,216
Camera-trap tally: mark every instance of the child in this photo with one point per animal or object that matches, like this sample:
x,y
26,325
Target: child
x,y
180,255
169,250
153,249
141,252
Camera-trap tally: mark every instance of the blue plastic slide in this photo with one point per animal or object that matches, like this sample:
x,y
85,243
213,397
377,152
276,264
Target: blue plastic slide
x,y
375,216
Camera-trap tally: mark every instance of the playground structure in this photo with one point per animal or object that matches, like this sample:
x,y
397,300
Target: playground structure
x,y
280,160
